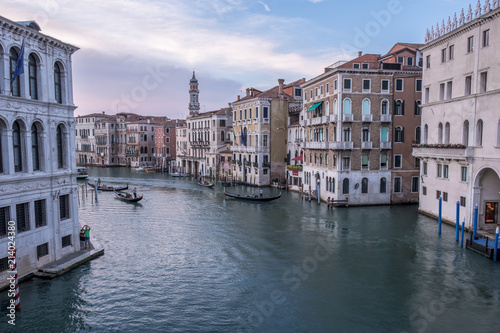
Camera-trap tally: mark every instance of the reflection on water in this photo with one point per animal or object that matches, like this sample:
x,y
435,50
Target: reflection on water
x,y
188,259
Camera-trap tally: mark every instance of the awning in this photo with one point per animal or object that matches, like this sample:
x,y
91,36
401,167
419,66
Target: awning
x,y
298,158
314,106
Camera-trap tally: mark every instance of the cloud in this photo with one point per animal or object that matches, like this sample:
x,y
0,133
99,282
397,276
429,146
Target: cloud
x,y
315,1
266,7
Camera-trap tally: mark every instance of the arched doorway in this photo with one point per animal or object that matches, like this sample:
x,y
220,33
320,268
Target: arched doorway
x,y
487,198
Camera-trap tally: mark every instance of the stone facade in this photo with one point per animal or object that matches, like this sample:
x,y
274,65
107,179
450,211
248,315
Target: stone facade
x,y
37,161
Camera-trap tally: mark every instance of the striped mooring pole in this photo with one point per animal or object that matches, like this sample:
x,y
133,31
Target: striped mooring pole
x,y
496,244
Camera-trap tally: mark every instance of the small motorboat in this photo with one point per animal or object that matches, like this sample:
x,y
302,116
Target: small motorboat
x,y
108,188
254,197
127,197
205,184
179,174
140,169
82,173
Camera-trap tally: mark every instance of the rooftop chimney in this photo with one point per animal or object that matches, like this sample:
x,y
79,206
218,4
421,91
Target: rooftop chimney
x,y
280,86
238,97
360,53
248,91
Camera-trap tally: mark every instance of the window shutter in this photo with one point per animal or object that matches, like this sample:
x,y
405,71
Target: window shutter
x,y
402,108
402,135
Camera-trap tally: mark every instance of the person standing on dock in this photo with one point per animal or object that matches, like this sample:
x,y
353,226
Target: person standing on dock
x,y
86,230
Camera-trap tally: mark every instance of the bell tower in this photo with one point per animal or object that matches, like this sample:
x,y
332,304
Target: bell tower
x,y
194,103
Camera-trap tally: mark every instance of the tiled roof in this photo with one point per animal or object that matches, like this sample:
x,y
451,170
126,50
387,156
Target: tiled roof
x,y
371,59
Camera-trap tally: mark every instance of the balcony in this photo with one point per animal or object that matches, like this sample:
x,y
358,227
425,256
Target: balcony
x,y
366,117
305,122
385,145
366,145
334,118
341,145
347,117
316,145
385,118
443,151
319,120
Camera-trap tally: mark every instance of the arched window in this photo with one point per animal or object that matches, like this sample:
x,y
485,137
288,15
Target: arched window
x,y
479,133
384,137
327,108
347,106
465,133
16,84
426,133
3,132
399,108
447,133
383,185
245,136
17,147
366,106
385,107
364,185
332,185
58,82
399,134
345,186
418,108
35,147
417,135
60,147
364,162
365,134
383,162
33,76
347,134
222,135
440,133
335,107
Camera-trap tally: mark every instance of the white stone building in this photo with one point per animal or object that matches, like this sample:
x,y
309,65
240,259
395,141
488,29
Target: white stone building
x,y
460,119
38,188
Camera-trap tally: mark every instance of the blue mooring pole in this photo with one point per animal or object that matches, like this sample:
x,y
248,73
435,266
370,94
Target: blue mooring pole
x,y
496,244
474,231
439,220
458,220
463,230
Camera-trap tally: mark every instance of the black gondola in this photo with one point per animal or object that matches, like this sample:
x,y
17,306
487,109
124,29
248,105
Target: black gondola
x,y
251,197
108,188
127,197
205,184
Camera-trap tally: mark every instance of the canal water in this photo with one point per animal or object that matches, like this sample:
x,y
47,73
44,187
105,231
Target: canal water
x,y
188,259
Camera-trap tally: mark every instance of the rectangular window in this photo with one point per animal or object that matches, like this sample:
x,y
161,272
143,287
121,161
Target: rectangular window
x,y
424,190
42,250
4,220
439,170
397,184
438,194
441,91
321,90
425,168
265,112
385,85
445,196
470,44
66,241
64,207
445,170
418,84
347,85
483,81
400,60
355,65
23,217
449,89
427,95
468,85
462,201
366,85
365,66
40,213
399,84
463,171
298,92
417,162
414,184
451,52
428,61
335,85
409,61
4,264
486,38
328,88
264,140
443,55
397,161
315,91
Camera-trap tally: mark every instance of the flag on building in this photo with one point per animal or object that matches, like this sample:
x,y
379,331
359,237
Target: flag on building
x,y
20,64
234,136
242,139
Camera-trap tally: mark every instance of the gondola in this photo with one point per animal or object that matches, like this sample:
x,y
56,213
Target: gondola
x,y
250,197
127,197
205,184
108,188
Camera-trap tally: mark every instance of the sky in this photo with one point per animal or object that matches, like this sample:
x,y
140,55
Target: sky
x,y
139,55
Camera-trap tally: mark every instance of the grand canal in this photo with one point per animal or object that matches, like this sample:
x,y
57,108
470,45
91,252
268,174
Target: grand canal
x,y
187,259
